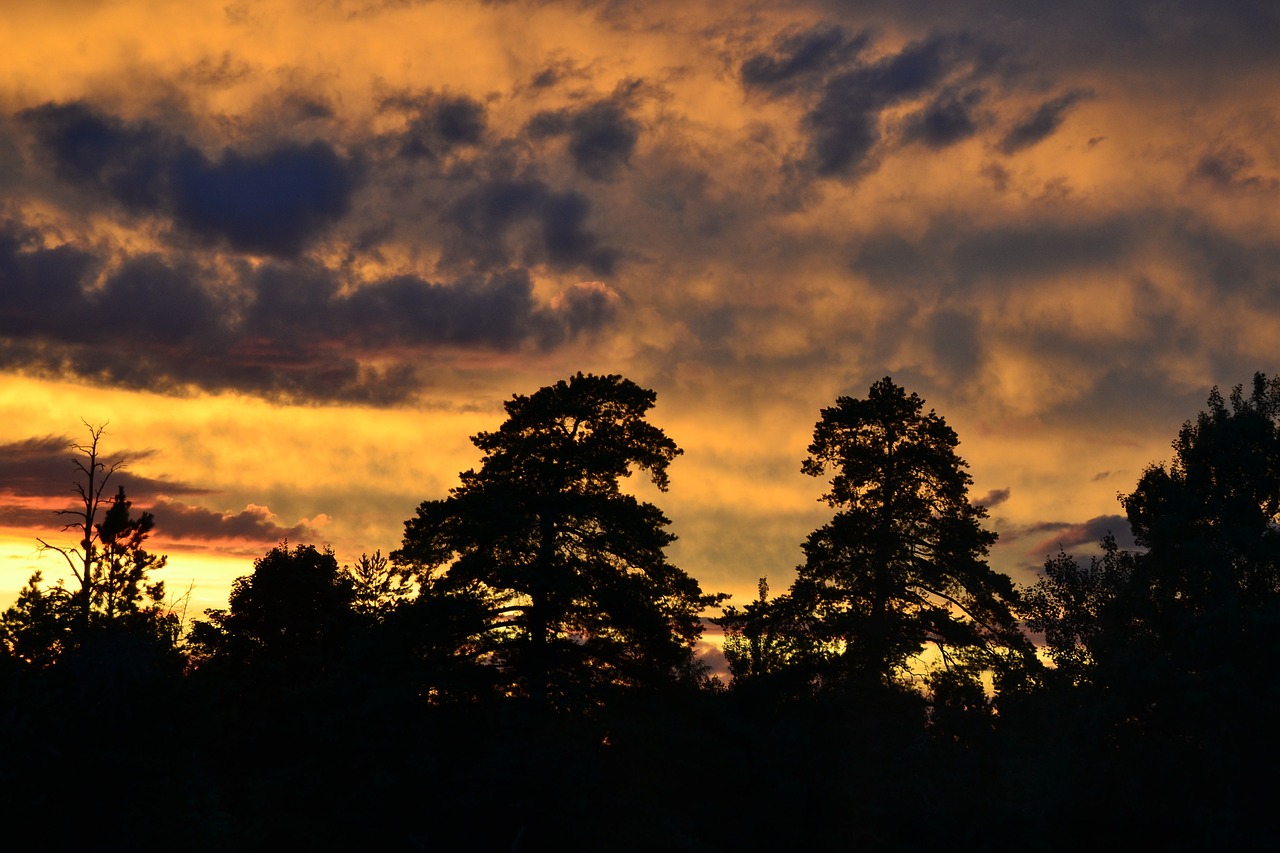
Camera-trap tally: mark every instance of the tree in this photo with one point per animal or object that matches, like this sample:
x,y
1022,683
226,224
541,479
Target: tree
x,y
1080,609
767,644
377,588
571,570
86,561
1204,596
111,566
1165,652
293,614
1209,522
902,564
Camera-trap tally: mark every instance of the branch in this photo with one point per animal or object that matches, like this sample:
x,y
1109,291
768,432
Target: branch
x,y
66,555
966,610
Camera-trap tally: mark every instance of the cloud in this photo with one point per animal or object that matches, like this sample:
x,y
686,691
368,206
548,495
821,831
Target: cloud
x,y
1062,535
844,125
956,341
1042,122
1226,168
437,123
602,134
848,94
968,254
272,202
486,221
801,56
993,498
37,477
254,523
946,120
25,517
43,468
284,330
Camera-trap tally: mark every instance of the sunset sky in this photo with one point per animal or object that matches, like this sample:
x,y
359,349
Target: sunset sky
x,y
295,253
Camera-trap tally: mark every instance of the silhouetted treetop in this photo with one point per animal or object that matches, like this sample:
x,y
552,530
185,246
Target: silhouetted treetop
x,y
293,613
114,603
572,570
902,563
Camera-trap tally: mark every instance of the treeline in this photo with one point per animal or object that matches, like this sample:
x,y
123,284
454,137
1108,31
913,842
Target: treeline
x,y
520,673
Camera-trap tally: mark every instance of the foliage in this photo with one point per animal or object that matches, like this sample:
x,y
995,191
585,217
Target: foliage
x,y
377,587
902,563
1077,607
123,565
36,629
1205,593
112,567
293,613
1209,520
767,646
571,569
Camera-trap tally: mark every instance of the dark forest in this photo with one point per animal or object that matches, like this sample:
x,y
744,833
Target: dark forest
x,y
519,675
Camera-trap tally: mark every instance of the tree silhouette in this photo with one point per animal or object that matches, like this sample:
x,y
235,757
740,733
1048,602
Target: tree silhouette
x,y
111,566
1164,654
292,615
902,564
1209,523
1080,609
570,569
85,558
1206,590
377,588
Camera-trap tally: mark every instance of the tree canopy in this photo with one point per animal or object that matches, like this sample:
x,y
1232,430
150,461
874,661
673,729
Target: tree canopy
x,y
115,596
571,569
902,564
1205,591
514,676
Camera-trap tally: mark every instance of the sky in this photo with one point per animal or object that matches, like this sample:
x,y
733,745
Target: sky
x,y
293,254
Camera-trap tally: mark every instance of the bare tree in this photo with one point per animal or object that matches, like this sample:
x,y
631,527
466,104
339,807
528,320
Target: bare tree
x,y
85,560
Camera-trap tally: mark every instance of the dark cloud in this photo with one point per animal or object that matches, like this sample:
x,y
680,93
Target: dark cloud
x,y
222,71
497,311
800,57
438,123
176,520
40,471
128,162
153,299
955,337
1227,168
1232,265
956,252
889,258
30,518
554,73
485,219
602,134
843,122
273,202
587,305
993,498
41,289
842,133
36,466
44,467
284,330
1042,122
1063,536
946,120
1039,249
